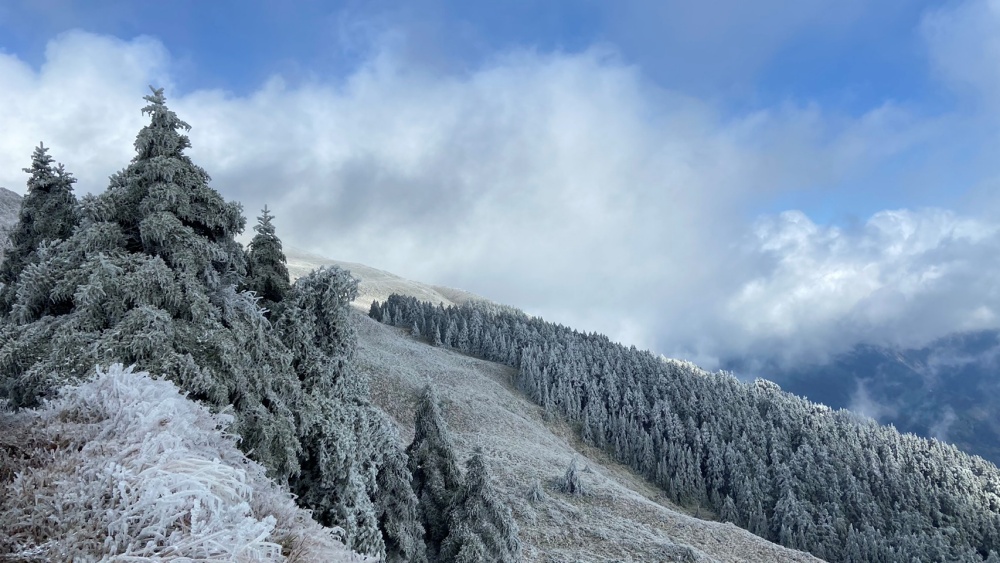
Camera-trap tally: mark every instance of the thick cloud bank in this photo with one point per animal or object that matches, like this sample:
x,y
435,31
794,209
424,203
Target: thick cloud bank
x,y
904,277
565,184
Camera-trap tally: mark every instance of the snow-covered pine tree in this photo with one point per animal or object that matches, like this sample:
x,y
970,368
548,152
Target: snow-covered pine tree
x,y
48,213
338,472
336,422
398,511
148,278
165,207
482,527
728,512
437,478
267,270
570,483
316,327
375,311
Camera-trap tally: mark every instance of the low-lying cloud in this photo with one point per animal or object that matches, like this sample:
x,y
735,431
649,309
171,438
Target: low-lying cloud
x,y
565,184
903,278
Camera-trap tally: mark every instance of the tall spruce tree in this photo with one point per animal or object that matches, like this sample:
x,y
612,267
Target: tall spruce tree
x,y
267,270
482,527
149,279
337,425
48,213
398,511
164,206
437,478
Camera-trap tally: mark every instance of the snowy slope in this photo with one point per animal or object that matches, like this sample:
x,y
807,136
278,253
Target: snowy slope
x,y
376,284
625,518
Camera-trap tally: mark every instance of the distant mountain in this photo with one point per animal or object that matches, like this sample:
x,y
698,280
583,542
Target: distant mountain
x,y
949,389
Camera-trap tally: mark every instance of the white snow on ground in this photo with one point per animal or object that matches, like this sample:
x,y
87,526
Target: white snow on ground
x,y
124,468
623,518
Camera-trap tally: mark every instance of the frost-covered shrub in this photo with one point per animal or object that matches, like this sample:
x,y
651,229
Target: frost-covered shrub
x,y
124,465
570,483
536,493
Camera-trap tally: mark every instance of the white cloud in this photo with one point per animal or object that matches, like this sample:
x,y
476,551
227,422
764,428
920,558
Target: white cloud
x,y
565,184
863,404
904,277
963,41
83,103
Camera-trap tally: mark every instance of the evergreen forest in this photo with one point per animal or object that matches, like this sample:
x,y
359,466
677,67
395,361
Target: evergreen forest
x,y
831,483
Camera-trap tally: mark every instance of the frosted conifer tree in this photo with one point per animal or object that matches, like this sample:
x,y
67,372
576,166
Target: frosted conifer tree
x,y
48,213
437,478
570,482
267,272
336,423
165,207
398,512
482,527
148,278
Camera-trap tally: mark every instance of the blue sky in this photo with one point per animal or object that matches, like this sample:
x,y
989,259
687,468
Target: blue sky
x,y
773,176
845,54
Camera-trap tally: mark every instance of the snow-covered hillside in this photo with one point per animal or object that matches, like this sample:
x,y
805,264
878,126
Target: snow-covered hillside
x,y
623,518
376,284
